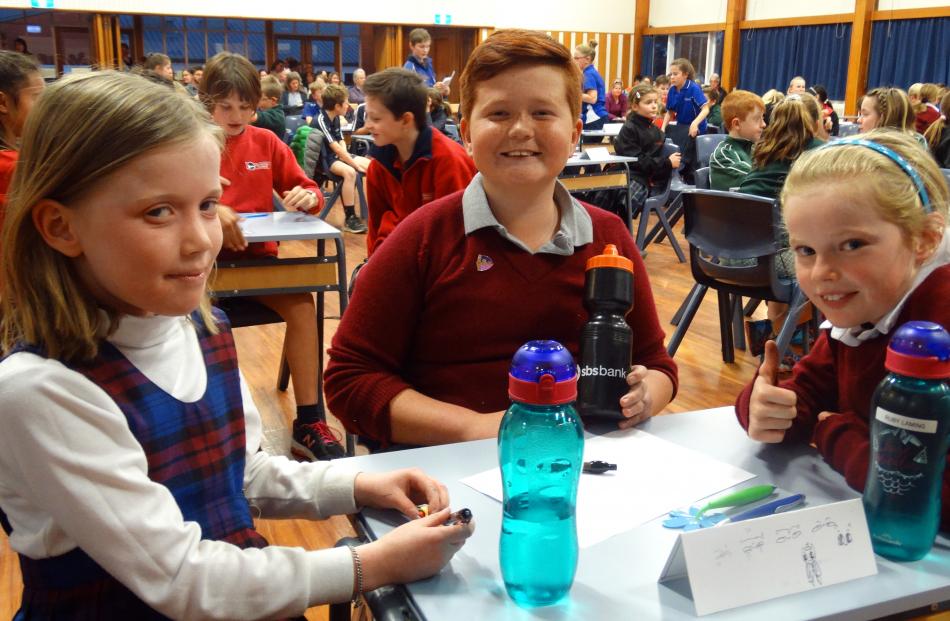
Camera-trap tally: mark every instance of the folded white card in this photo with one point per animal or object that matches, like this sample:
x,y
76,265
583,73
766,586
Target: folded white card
x,y
755,560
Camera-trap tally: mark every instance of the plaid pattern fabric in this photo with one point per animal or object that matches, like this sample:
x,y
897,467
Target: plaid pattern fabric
x,y
195,449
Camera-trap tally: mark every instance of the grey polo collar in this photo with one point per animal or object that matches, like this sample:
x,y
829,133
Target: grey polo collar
x,y
575,228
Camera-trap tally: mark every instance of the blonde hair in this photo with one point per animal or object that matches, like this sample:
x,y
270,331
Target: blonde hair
x,y
589,50
914,91
773,96
892,192
790,129
935,132
66,152
893,107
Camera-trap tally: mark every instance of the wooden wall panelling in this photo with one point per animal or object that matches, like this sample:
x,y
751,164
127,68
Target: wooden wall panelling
x,y
735,13
859,56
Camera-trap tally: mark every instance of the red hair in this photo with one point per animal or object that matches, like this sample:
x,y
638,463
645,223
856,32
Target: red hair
x,y
507,49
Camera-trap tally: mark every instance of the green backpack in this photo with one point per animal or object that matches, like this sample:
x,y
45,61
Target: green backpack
x,y
299,143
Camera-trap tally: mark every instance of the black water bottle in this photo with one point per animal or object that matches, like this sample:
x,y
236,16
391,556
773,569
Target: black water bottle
x,y
606,339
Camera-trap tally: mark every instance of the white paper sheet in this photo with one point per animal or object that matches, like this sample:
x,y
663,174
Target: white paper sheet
x,y
591,116
653,477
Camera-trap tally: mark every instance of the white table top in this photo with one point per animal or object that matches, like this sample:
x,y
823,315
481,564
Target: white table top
x,y
610,129
611,158
617,578
285,226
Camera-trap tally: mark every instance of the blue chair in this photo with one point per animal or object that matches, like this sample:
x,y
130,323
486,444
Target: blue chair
x,y
728,225
705,146
846,128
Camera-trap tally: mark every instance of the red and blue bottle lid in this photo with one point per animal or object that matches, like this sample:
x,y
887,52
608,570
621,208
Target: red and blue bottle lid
x,y
542,373
919,349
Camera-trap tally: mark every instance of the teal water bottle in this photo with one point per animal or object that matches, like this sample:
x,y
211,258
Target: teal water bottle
x,y
910,430
540,450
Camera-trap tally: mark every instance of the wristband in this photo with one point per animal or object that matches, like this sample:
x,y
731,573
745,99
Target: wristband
x,y
357,577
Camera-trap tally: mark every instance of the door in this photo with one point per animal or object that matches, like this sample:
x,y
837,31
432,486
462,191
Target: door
x,y
73,53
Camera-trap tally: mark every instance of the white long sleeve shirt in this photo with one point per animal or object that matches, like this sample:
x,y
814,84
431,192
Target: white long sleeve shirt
x,y
72,474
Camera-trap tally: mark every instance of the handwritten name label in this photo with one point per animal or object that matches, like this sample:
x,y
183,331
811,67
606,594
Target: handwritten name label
x,y
755,560
905,422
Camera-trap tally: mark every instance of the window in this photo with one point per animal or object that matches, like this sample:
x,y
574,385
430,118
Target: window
x,y
193,40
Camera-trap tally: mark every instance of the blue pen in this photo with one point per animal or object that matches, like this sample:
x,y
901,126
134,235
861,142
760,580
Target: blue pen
x,y
770,508
254,215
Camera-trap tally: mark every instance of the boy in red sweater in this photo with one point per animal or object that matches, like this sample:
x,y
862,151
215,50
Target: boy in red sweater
x,y
254,165
412,165
871,259
422,353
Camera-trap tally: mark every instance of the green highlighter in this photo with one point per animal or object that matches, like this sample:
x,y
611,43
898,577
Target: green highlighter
x,y
737,499
694,518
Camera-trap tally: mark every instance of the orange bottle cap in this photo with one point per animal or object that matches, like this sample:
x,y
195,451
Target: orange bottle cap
x,y
610,258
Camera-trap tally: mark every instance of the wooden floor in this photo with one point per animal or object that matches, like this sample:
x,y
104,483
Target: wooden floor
x,y
705,381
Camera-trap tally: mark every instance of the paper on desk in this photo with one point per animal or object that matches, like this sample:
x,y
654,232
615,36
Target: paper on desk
x,y
653,477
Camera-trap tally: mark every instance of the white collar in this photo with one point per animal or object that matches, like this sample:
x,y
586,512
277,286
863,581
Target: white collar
x,y
858,334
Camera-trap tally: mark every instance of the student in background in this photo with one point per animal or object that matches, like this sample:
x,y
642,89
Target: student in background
x,y
662,84
715,109
888,107
641,139
160,64
829,117
294,95
417,358
419,61
439,112
872,256
188,81
20,86
254,165
938,134
925,108
335,158
743,118
716,84
784,140
335,78
314,106
686,100
411,164
269,113
796,86
197,73
129,465
593,94
772,98
617,102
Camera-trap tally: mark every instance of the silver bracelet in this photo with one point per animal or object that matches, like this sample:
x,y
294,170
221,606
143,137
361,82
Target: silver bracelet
x,y
357,577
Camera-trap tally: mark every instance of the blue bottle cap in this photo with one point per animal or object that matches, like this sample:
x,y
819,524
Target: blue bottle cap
x,y
542,373
919,349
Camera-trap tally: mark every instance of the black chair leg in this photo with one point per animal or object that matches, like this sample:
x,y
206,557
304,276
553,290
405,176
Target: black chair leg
x,y
283,376
364,211
679,312
642,227
694,300
725,327
669,233
738,327
750,306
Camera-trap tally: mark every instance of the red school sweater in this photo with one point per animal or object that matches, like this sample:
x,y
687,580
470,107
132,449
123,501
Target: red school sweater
x,y
8,159
257,163
437,167
834,377
443,312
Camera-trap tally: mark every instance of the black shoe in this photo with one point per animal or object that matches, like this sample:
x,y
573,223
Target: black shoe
x,y
315,441
353,224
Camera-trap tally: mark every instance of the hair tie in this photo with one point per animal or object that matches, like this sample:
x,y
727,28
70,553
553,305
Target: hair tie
x,y
895,157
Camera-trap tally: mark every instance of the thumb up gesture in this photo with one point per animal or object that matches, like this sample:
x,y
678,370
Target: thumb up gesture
x,y
771,409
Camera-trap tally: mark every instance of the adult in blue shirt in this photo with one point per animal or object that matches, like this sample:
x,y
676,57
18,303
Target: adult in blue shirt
x,y
594,95
420,42
686,100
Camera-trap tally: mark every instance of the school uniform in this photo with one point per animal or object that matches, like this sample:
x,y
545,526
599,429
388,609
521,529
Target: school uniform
x,y
686,103
641,139
129,487
444,276
423,68
841,372
332,133
730,163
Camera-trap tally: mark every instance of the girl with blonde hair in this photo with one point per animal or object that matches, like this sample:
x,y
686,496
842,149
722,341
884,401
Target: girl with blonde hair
x,y
129,457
